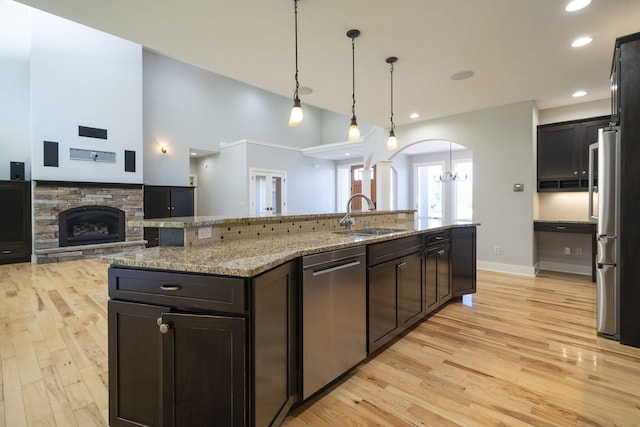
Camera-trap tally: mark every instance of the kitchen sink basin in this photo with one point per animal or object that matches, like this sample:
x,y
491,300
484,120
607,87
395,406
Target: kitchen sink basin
x,y
370,231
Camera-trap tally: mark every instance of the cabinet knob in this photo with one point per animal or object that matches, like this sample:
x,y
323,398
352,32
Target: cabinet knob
x,y
441,252
6,252
584,172
575,172
164,328
402,265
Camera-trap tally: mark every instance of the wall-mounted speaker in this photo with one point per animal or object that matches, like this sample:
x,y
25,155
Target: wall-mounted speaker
x,y
17,171
92,132
50,153
129,161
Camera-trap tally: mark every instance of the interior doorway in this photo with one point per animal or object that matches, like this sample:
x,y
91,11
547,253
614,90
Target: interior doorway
x,y
268,192
356,185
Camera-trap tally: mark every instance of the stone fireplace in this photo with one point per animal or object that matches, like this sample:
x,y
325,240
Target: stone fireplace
x,y
75,220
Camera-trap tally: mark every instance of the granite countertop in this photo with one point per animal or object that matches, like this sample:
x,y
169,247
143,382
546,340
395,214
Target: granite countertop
x,y
250,257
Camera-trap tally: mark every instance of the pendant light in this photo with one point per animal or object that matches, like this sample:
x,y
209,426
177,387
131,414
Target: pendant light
x,y
354,130
392,142
296,112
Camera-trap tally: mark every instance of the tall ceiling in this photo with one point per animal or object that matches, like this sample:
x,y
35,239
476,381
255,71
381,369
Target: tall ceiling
x,y
518,49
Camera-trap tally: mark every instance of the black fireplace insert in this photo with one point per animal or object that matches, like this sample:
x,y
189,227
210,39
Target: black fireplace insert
x,y
88,225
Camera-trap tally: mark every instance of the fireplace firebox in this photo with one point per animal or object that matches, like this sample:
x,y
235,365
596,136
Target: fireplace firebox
x,y
88,225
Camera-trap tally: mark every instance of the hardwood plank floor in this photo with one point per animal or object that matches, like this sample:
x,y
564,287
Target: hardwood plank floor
x,y
520,352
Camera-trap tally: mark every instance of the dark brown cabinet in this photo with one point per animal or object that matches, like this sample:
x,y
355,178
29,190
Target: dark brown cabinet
x,y
437,269
191,349
563,153
15,222
463,261
395,288
165,202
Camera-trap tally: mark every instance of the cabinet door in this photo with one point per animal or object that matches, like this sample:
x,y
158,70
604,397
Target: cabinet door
x,y
556,151
203,370
134,364
181,201
15,221
463,261
431,280
274,345
444,274
157,202
410,289
382,303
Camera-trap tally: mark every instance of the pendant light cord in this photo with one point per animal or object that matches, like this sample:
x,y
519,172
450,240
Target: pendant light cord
x,y
295,9
393,126
353,75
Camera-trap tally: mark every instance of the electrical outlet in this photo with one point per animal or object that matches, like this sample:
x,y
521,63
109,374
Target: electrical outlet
x,y
497,250
567,251
578,250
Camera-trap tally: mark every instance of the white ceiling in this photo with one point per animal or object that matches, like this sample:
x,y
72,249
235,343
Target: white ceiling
x,y
519,49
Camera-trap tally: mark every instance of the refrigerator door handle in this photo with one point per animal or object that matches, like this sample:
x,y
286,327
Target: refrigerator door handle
x,y
593,149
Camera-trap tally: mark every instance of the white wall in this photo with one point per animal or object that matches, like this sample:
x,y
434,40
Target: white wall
x,y
188,107
15,45
84,77
501,140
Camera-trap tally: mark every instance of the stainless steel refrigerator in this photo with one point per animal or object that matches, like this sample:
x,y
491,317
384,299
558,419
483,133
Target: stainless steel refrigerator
x,y
604,208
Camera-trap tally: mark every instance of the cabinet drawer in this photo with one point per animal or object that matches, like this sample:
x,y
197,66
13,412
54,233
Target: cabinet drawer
x,y
565,227
14,252
437,238
385,251
216,293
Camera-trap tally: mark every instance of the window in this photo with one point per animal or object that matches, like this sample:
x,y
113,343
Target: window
x,y
463,191
429,200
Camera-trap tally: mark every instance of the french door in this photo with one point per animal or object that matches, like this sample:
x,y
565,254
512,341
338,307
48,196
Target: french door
x,y
267,192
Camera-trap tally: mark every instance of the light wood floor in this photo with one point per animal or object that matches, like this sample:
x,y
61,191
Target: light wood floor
x,y
519,352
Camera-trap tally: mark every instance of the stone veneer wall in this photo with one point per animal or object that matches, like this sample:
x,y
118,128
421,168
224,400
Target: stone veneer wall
x,y
51,198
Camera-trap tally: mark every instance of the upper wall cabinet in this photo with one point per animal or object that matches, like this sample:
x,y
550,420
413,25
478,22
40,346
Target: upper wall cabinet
x,y
563,153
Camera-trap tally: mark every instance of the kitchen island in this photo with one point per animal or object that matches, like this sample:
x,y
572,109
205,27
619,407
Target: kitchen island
x,y
215,333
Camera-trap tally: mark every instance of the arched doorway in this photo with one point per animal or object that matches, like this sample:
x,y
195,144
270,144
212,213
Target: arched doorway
x,y
438,180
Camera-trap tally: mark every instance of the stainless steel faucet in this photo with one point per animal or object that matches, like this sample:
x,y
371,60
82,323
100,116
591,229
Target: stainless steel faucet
x,y
347,221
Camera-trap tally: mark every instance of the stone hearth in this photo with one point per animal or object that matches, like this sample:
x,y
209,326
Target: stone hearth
x,y
52,197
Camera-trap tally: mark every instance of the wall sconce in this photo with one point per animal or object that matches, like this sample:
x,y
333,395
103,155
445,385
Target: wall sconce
x,y
163,149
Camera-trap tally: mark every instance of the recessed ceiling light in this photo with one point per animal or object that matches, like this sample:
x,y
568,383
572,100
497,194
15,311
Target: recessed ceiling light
x,y
463,75
579,93
194,154
414,116
347,154
581,41
577,5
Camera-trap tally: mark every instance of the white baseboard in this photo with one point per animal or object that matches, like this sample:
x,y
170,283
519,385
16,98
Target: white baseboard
x,y
565,268
520,270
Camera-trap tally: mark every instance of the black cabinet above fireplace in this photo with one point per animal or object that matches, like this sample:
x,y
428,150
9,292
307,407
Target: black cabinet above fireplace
x,y
15,221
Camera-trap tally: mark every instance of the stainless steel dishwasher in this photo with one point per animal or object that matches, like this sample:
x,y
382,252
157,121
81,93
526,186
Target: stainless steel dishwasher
x,y
334,316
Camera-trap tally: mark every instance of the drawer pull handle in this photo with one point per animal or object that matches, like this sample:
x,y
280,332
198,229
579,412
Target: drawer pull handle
x,y
561,227
6,252
439,238
441,252
170,287
402,265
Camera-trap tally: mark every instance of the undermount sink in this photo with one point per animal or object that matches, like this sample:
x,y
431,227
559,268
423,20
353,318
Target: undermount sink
x,y
370,231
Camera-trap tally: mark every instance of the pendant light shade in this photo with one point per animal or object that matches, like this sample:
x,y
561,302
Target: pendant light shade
x,y
392,142
296,112
354,130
